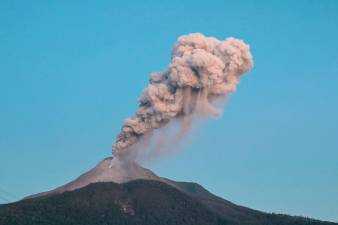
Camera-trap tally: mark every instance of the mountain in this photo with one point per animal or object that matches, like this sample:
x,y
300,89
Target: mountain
x,y
119,193
139,202
108,170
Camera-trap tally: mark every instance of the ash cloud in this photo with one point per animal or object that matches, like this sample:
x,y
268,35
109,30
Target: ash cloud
x,y
202,70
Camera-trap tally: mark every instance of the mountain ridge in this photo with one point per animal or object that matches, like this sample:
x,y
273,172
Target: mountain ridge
x,y
138,202
106,170
119,176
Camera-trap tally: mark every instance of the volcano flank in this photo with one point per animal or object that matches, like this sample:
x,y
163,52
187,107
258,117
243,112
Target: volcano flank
x,y
117,193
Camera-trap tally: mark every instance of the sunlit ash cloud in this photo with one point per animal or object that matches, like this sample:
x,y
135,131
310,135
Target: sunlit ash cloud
x,y
202,70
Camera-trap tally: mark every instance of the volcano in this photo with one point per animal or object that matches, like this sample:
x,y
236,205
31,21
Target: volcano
x,y
108,170
116,193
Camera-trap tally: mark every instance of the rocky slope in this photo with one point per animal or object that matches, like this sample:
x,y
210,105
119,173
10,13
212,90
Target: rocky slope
x,y
126,193
138,202
108,170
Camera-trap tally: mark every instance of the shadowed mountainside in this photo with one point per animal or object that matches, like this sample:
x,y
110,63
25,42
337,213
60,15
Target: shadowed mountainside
x,y
138,202
126,193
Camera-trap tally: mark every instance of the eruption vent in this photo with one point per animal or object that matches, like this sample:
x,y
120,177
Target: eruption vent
x,y
202,69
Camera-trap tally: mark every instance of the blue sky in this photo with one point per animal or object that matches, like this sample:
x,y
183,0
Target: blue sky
x,y
71,72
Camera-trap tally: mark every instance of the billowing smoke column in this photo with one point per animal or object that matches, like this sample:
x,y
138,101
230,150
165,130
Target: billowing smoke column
x,y
202,69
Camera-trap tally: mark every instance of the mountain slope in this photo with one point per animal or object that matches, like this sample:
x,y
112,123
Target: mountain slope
x,y
108,170
137,202
111,170
236,214
224,208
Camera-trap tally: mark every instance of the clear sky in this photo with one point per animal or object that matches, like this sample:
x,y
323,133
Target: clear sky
x,y
71,71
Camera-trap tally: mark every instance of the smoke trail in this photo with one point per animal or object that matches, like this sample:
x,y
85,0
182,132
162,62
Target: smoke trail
x,y
202,69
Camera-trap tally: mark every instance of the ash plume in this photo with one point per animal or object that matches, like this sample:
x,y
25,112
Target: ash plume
x,y
202,70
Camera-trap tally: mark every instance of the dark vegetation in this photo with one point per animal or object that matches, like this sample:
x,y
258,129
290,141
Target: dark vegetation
x,y
139,202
